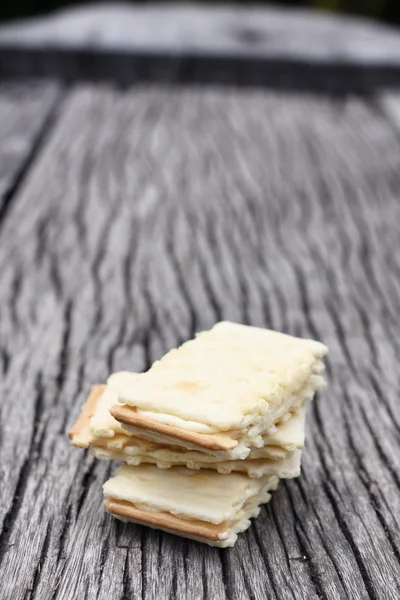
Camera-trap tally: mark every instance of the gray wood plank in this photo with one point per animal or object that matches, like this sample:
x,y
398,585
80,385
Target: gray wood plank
x,y
217,30
26,111
151,214
389,104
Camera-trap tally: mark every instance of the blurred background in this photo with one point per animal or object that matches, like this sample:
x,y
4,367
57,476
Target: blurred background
x,y
384,10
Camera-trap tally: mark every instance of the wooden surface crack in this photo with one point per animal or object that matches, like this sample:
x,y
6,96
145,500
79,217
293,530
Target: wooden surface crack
x,y
43,113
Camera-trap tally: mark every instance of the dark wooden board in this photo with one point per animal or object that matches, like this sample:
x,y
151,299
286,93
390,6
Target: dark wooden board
x,y
150,214
125,68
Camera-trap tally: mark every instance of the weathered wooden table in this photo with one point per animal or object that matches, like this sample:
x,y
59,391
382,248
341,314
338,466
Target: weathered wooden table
x,y
131,218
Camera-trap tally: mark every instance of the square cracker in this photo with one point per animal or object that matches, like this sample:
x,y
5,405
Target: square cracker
x,y
287,437
206,506
233,444
204,495
226,379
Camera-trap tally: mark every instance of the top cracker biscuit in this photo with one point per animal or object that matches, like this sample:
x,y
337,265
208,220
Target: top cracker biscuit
x,y
223,380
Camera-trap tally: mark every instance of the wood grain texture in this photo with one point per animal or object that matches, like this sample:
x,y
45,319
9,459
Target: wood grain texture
x,y
151,214
26,111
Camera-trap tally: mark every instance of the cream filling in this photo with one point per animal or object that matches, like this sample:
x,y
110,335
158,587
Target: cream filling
x,y
285,468
134,456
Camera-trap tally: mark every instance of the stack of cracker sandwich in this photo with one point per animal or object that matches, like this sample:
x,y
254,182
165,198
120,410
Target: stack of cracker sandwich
x,y
207,432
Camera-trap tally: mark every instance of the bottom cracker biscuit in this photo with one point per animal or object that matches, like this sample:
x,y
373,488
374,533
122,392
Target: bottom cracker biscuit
x,y
201,505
